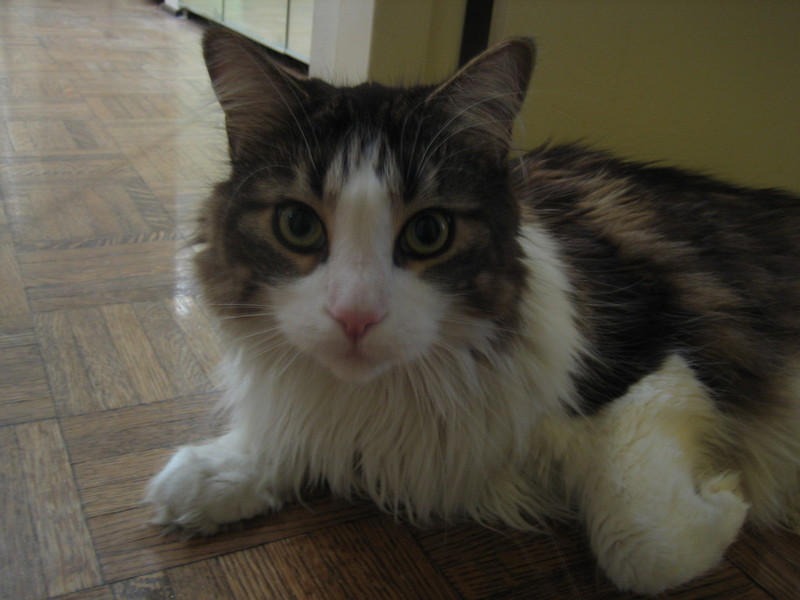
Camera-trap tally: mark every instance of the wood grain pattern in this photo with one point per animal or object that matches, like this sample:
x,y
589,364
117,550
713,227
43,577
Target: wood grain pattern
x,y
127,545
110,138
5,226
108,377
64,547
97,593
148,378
204,580
371,558
108,434
484,563
69,382
16,330
42,212
60,278
24,391
12,294
772,560
173,349
20,570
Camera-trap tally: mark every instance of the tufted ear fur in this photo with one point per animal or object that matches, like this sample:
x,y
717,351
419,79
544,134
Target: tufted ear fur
x,y
487,93
255,93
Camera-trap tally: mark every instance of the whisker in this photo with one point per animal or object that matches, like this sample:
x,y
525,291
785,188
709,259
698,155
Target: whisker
x,y
268,345
267,334
236,304
247,315
255,172
416,136
292,358
460,114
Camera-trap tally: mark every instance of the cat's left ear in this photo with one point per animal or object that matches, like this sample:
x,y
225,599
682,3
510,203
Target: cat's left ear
x,y
487,93
256,94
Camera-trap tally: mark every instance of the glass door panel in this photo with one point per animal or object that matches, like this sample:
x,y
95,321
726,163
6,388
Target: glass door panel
x,y
264,20
284,25
301,16
210,9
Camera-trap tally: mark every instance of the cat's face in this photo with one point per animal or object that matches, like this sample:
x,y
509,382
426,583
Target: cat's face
x,y
366,227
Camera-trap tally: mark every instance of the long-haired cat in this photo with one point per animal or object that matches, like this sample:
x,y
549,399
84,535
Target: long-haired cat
x,y
413,317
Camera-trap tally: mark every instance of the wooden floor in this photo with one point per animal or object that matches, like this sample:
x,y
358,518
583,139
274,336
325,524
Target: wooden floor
x,y
109,137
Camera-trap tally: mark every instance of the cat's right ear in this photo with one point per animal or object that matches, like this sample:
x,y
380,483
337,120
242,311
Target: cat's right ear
x,y
487,93
255,93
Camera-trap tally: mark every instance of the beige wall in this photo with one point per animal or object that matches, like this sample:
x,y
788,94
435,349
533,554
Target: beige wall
x,y
416,41
390,41
707,84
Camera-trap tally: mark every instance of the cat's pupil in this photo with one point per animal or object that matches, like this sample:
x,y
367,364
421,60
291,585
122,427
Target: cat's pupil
x,y
427,231
427,234
299,228
300,222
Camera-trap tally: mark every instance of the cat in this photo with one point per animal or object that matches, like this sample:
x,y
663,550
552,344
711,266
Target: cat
x,y
414,317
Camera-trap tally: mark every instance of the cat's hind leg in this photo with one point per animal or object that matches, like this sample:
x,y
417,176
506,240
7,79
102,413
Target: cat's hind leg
x,y
657,513
203,487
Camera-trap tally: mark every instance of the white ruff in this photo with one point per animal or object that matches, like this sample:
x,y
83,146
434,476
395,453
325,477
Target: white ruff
x,y
442,436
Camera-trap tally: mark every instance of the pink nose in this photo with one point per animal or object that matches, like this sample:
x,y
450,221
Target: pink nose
x,y
355,322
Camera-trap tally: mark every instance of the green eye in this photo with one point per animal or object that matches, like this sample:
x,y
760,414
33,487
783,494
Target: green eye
x,y
299,228
427,234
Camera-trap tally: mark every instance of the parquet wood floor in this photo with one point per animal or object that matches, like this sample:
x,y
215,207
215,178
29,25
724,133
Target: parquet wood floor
x,y
109,136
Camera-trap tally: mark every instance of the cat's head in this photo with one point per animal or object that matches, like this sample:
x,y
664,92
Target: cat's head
x,y
365,226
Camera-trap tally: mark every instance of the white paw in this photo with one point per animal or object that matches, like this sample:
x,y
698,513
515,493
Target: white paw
x,y
728,510
651,553
203,487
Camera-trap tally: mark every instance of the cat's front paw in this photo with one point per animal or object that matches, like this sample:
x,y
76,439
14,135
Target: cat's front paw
x,y
723,492
684,541
203,487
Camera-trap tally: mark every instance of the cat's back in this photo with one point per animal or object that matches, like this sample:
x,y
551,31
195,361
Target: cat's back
x,y
662,260
570,181
660,214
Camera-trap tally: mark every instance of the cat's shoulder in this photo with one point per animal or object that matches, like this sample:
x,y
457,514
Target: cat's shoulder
x,y
577,181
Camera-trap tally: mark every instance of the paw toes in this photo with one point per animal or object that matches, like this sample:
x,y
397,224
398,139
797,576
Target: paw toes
x,y
202,488
724,482
723,493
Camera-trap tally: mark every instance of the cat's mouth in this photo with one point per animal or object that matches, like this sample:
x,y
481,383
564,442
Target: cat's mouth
x,y
355,364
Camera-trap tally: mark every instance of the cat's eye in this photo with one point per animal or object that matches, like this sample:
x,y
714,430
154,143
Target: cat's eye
x,y
427,234
299,228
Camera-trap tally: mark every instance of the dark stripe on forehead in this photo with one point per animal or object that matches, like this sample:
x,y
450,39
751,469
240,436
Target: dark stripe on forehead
x,y
316,178
385,161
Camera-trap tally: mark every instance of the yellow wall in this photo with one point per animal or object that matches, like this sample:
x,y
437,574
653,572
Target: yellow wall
x,y
707,84
393,42
415,41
